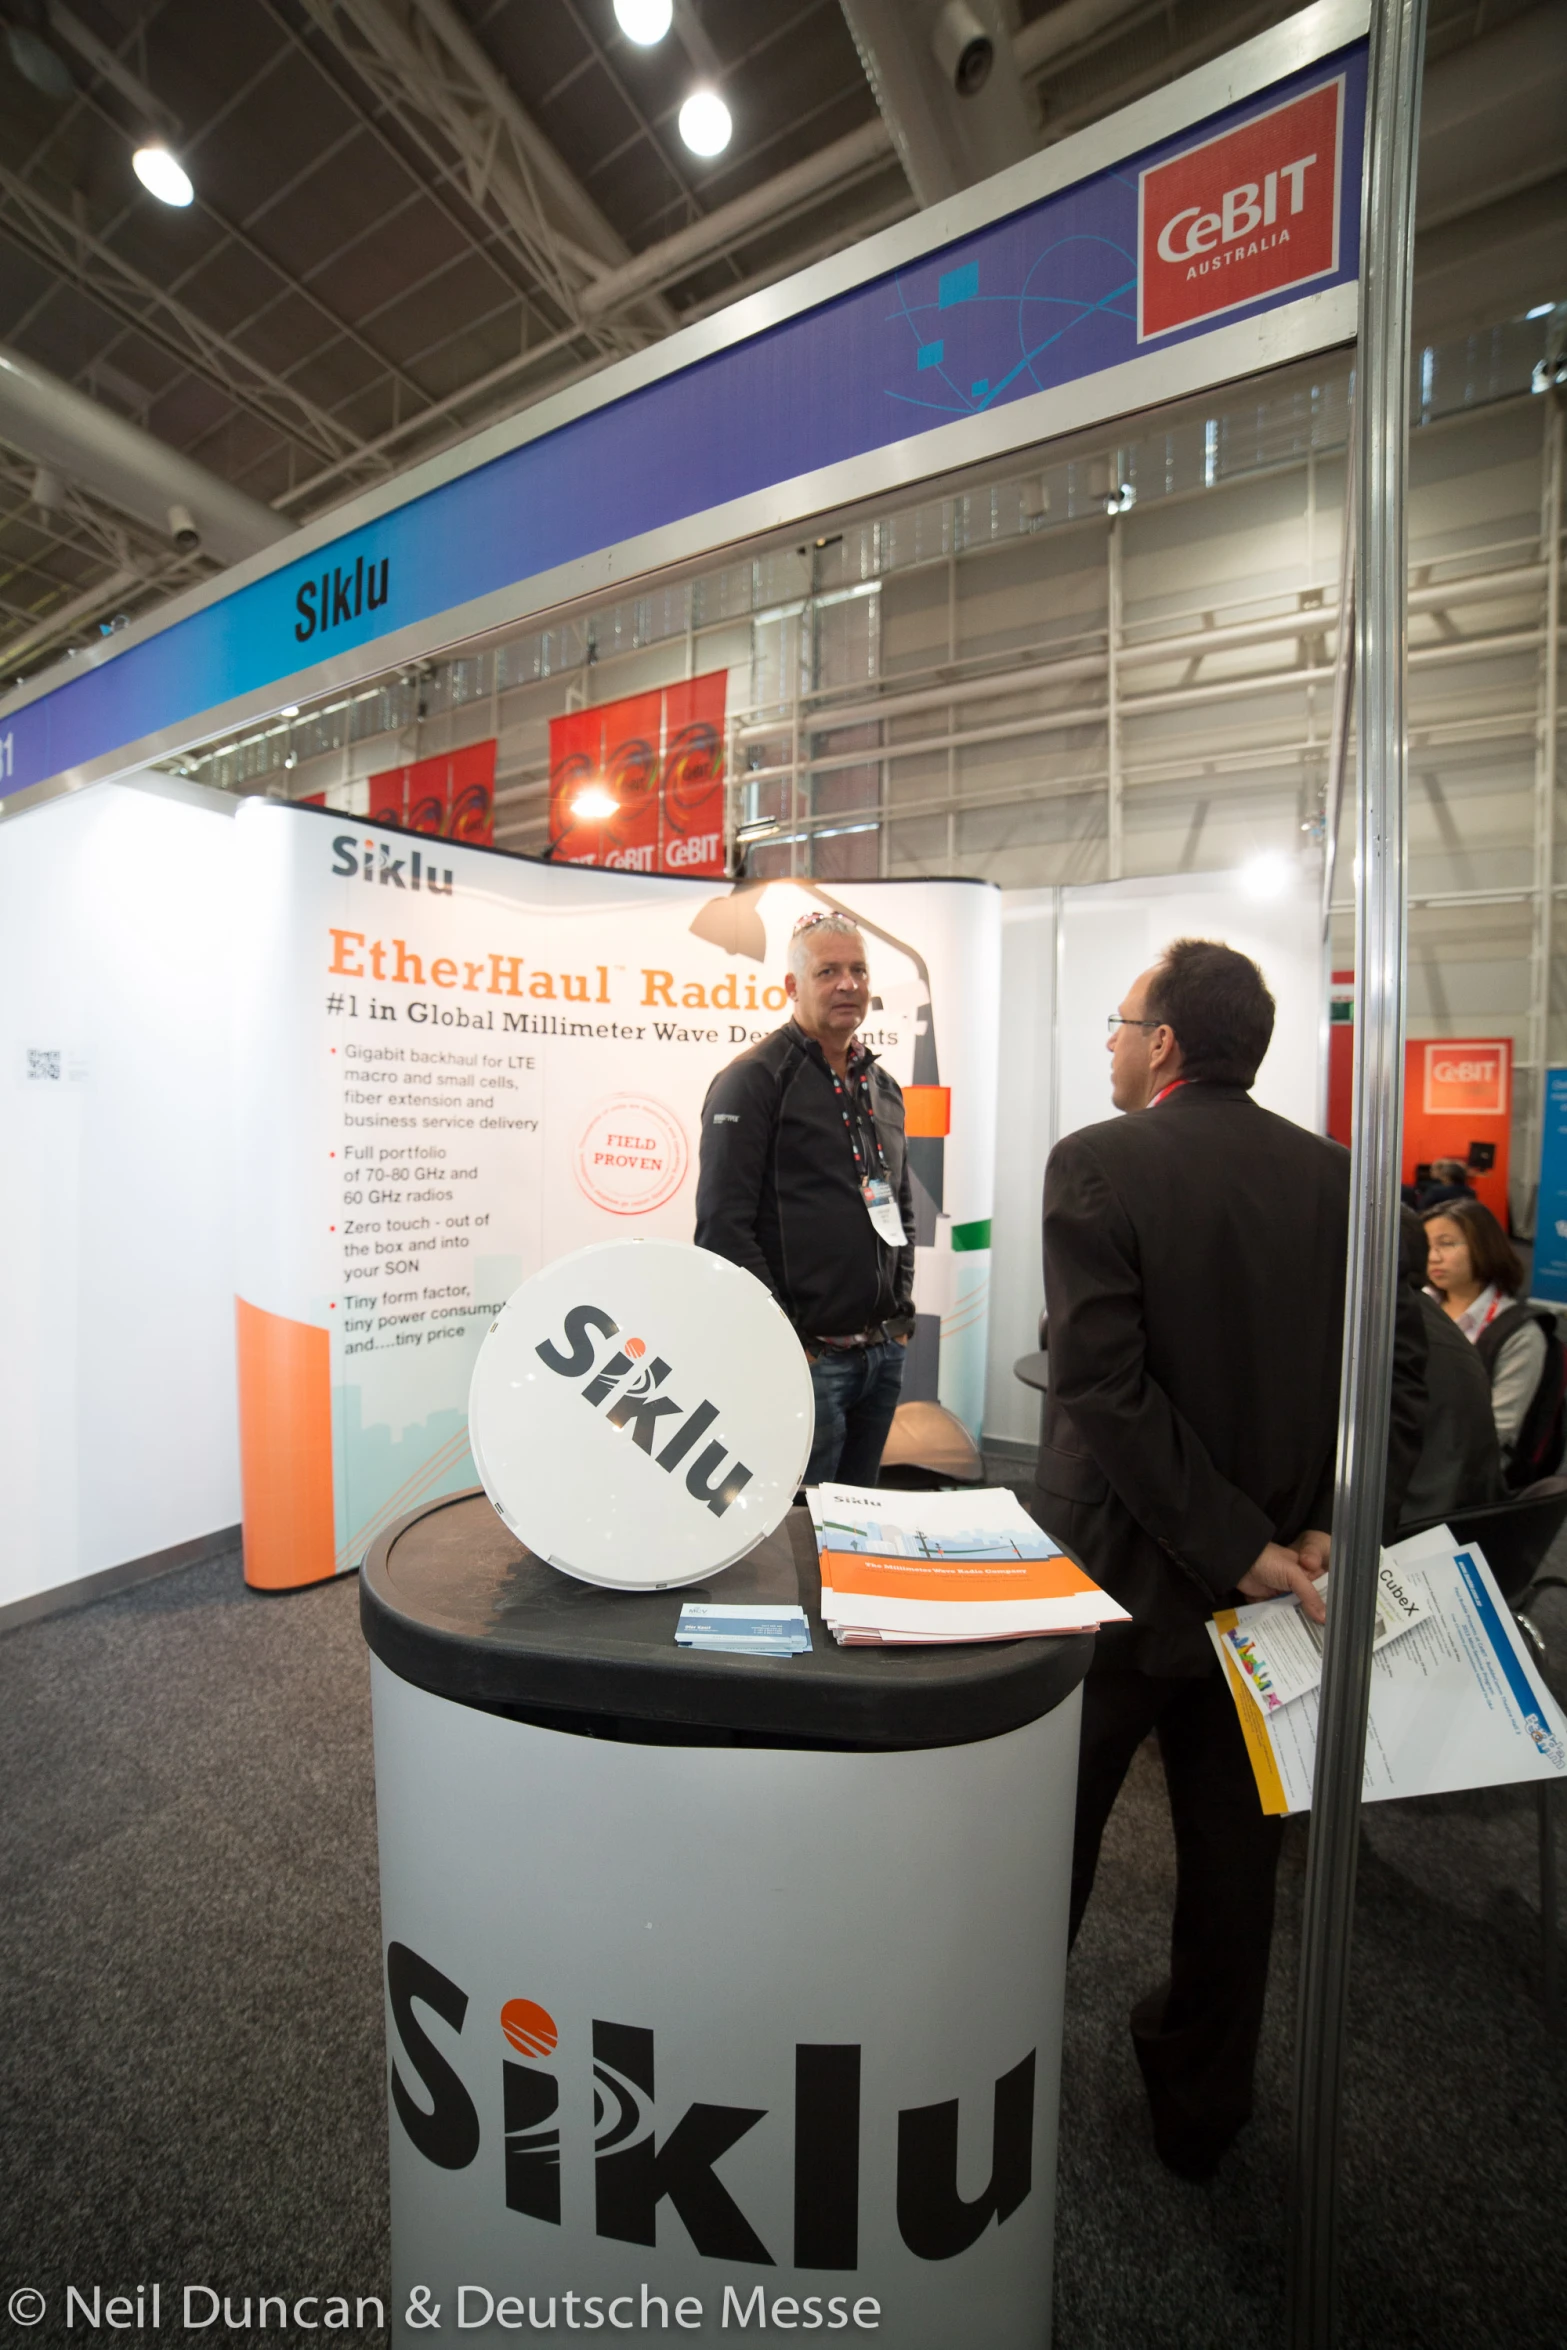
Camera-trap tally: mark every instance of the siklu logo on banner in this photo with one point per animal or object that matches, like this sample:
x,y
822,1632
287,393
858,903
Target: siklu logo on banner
x,y
1250,213
640,2168
452,797
639,784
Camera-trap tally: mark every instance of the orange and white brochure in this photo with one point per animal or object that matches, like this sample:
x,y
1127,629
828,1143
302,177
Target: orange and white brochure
x,y
915,1568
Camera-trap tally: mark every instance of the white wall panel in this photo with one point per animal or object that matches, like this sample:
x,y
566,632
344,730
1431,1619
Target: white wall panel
x,y
1055,1072
117,1415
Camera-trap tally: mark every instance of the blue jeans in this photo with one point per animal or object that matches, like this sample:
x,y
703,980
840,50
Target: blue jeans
x,y
856,1395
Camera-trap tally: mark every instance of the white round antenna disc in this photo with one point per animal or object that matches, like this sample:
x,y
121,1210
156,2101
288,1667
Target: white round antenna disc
x,y
641,1414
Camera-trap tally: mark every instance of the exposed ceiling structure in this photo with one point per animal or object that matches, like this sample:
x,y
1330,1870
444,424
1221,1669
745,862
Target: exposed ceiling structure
x,y
413,216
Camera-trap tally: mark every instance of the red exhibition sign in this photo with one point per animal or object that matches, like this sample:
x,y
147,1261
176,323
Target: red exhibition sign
x,y
1252,212
660,758
452,796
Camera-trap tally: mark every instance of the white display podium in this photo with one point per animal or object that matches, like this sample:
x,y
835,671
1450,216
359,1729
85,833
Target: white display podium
x,y
720,1989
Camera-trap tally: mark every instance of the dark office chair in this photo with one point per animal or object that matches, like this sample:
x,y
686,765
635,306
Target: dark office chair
x,y
1516,1536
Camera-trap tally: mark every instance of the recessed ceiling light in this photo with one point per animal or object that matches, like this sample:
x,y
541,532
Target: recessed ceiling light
x,y
644,21
705,123
1540,310
162,176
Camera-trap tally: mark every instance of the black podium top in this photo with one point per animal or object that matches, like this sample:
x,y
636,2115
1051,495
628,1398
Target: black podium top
x,y
451,1601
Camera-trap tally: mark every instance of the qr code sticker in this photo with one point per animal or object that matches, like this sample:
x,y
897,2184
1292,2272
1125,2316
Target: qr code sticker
x,y
45,1065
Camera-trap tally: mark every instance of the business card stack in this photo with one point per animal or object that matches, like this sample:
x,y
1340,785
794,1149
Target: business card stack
x,y
916,1569
754,1628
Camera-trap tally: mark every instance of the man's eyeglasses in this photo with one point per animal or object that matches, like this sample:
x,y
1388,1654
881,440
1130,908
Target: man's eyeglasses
x,y
1120,1020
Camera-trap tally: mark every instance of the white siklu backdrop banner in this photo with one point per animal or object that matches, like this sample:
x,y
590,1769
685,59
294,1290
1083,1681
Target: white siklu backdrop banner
x,y
456,1065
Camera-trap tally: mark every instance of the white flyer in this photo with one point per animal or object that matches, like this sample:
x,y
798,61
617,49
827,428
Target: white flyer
x,y
1455,1702
1277,1649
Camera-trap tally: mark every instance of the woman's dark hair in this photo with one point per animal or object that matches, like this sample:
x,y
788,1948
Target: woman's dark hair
x,y
1492,1256
1218,1004
1413,1254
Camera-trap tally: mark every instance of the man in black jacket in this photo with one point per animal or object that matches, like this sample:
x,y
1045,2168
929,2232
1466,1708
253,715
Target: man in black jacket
x,y
1194,1279
804,1181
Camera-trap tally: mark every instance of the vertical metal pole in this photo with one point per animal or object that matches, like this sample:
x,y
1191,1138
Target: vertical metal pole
x,y
952,715
1338,748
1545,1796
1343,679
1387,242
1114,855
1058,975
1545,755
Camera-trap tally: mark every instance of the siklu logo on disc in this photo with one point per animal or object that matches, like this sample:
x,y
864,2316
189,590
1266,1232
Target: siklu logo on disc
x,y
641,1414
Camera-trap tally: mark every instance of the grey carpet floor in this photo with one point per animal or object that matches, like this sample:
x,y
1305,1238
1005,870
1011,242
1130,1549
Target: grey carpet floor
x,y
190,2027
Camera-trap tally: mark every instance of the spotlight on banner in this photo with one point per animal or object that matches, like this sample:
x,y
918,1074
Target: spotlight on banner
x,y
1267,876
595,805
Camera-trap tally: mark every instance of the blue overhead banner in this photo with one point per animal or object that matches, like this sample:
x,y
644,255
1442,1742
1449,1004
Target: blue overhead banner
x,y
1233,217
1549,1280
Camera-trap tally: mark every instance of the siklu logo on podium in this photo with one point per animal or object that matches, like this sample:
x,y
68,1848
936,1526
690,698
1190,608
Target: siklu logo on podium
x,y
644,2163
1250,213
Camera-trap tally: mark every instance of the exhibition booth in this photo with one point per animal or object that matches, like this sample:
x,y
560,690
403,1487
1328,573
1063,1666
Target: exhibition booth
x,y
334,1001
305,1094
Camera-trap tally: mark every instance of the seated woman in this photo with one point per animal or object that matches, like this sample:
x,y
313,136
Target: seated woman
x,y
1459,1466
1472,1270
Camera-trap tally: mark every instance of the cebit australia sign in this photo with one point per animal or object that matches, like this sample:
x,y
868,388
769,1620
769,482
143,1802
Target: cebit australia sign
x,y
1250,213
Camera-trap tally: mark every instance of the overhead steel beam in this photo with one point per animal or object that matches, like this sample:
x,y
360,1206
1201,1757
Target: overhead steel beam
x,y
419,56
136,472
945,140
766,206
67,618
71,251
1059,31
1493,117
154,115
563,202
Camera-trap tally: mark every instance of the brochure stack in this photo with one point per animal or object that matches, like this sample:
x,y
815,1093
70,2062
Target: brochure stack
x,y
909,1568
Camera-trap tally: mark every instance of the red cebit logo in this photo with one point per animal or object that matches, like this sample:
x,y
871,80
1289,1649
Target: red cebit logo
x,y
1465,1078
1246,214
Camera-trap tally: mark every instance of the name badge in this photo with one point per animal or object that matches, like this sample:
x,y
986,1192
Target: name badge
x,y
883,1210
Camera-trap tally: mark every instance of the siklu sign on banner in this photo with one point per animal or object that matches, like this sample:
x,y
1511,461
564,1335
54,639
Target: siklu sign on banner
x,y
639,784
1254,211
452,797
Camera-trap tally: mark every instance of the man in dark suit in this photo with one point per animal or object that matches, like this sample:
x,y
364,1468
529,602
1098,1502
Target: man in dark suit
x,y
1194,1280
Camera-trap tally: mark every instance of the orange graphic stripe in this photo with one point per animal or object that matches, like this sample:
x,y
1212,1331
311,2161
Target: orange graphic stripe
x,y
927,1111
285,1449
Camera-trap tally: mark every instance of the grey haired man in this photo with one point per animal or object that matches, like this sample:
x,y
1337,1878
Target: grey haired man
x,y
805,1181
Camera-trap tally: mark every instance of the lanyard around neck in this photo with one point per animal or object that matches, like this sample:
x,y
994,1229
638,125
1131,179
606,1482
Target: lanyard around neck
x,y
859,1080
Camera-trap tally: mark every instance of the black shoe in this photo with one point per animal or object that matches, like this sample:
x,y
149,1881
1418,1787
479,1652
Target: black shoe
x,y
1194,2161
